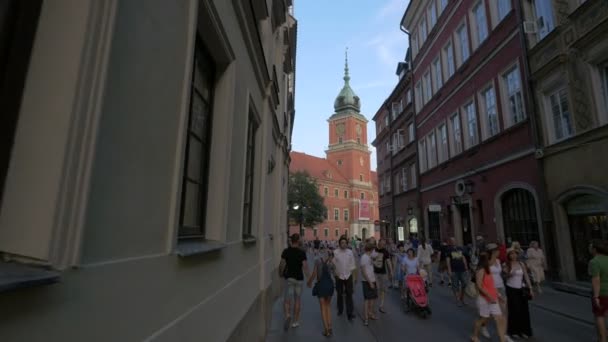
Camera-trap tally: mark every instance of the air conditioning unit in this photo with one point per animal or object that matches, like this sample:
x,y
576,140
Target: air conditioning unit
x,y
530,27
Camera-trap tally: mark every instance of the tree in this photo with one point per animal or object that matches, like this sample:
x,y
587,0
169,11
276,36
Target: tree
x,y
303,192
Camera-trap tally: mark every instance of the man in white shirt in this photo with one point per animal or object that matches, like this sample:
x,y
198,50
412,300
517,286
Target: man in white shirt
x,y
344,260
370,292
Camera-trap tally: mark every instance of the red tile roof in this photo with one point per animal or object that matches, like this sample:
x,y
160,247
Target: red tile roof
x,y
319,168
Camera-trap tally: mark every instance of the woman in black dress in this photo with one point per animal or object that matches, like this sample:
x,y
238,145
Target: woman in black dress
x,y
324,287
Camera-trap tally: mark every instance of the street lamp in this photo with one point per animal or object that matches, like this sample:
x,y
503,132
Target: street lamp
x,y
301,209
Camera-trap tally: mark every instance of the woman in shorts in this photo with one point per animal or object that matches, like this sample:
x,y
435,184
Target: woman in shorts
x,y
488,300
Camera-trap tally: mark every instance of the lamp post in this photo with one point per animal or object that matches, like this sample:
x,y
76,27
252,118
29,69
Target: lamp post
x,y
301,220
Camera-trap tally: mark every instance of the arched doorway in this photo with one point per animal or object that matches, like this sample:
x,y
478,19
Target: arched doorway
x,y
520,222
588,220
364,233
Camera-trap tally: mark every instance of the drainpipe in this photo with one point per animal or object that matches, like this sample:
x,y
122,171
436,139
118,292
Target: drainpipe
x,y
534,125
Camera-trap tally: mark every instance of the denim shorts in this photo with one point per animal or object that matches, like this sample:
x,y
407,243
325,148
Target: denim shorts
x,y
294,288
459,280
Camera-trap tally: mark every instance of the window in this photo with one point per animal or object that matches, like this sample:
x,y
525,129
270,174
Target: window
x,y
397,181
345,193
326,215
339,162
358,140
544,17
437,74
433,14
504,7
515,108
326,232
346,231
196,163
444,4
427,87
336,214
340,139
388,148
491,117
413,175
423,33
471,118
410,132
315,231
400,139
326,191
422,154
336,192
431,146
481,25
448,53
396,109
346,218
414,44
408,97
560,114
337,232
252,129
463,40
456,134
418,95
404,179
443,143
363,195
386,120
361,178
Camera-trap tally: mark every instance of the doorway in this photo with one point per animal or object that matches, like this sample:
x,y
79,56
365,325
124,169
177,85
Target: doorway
x,y
588,220
465,224
364,233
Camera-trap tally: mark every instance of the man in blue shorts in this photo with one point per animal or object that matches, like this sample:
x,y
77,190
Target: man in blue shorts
x,y
457,270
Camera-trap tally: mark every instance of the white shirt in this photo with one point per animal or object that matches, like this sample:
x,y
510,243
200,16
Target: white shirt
x,y
344,260
496,271
516,278
424,254
411,265
367,267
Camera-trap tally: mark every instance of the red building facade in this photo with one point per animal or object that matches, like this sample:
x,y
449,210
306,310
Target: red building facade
x,y
474,121
345,179
396,154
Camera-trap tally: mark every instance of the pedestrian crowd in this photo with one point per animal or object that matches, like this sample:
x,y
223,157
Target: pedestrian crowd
x,y
500,281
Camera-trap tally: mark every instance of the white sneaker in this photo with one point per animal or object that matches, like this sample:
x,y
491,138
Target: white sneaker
x,y
485,333
508,338
295,324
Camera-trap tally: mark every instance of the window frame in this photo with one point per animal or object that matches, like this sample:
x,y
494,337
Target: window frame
x,y
485,112
448,56
460,52
186,231
438,73
346,214
456,134
512,119
411,133
548,100
471,118
480,28
250,162
443,153
413,176
336,214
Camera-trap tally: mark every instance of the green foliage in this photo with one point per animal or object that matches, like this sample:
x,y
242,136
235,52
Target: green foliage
x,y
304,192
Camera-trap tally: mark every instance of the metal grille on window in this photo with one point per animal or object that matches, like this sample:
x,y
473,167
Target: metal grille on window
x,y
196,168
519,217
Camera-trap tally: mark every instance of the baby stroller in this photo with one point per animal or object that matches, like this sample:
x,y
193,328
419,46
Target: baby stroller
x,y
417,298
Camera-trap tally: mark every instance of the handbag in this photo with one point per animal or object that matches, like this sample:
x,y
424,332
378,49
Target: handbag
x,y
526,292
471,290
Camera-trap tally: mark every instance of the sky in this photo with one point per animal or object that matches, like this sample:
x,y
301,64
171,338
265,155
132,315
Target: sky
x,y
370,30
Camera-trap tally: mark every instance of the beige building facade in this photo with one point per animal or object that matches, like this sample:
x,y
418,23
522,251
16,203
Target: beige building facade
x,y
568,61
144,160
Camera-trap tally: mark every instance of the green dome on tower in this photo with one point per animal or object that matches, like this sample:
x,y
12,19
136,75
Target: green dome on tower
x,y
347,99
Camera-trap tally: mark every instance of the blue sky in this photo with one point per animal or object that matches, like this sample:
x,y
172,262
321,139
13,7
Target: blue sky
x,y
370,29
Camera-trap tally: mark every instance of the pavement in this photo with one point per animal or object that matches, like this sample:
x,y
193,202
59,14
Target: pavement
x,y
556,316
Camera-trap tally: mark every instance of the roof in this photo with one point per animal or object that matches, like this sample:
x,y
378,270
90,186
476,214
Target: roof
x,y
319,168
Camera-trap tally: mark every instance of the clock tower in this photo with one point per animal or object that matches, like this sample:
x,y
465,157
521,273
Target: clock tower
x,y
348,149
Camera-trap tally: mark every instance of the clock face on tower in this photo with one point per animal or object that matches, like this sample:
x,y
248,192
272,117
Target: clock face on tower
x,y
361,161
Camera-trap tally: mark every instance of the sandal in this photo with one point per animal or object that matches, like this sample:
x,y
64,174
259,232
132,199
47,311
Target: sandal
x,y
382,310
373,318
